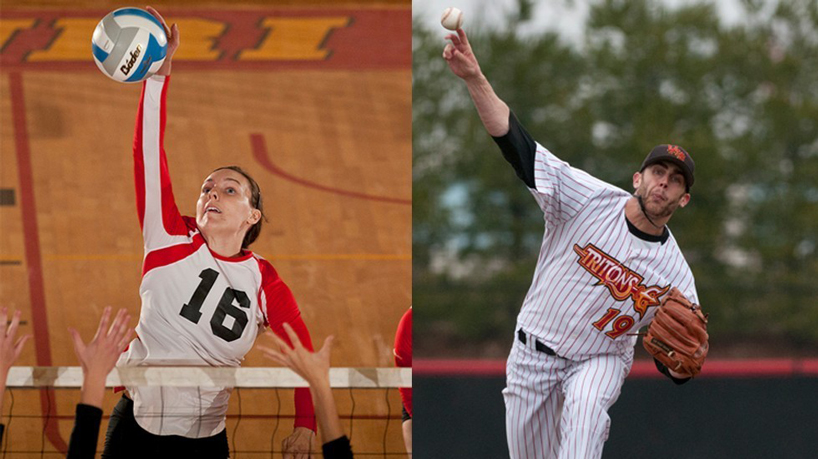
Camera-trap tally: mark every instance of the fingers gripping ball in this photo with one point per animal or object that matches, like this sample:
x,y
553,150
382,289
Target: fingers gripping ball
x,y
452,18
677,336
129,45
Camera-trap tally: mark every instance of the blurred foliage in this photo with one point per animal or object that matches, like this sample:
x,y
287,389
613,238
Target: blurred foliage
x,y
743,99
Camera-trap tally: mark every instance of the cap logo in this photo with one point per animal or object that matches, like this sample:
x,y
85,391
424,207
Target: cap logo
x,y
676,152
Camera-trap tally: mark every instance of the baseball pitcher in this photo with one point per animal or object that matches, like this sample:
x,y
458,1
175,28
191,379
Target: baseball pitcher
x,y
607,264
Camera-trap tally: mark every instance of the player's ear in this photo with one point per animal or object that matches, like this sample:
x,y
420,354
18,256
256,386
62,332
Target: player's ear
x,y
255,216
637,179
684,200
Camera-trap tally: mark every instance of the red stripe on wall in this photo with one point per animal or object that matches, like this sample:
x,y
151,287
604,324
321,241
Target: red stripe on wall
x,y
753,368
260,153
28,208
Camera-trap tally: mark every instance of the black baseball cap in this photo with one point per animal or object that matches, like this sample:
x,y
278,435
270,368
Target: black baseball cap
x,y
673,154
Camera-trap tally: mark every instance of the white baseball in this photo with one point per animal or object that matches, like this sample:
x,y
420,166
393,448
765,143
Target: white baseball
x,y
452,18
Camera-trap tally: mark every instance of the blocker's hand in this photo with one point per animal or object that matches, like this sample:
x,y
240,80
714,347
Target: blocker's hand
x,y
10,345
173,40
312,366
459,56
299,444
99,356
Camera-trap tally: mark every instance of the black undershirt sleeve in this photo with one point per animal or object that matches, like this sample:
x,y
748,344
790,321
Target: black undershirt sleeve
x,y
83,443
663,369
337,449
519,150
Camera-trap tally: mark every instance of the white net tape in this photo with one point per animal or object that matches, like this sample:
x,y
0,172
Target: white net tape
x,y
251,377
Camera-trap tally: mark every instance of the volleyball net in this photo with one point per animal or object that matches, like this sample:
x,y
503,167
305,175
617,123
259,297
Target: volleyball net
x,y
39,405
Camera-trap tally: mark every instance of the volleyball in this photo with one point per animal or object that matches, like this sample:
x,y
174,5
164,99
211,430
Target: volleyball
x,y
129,45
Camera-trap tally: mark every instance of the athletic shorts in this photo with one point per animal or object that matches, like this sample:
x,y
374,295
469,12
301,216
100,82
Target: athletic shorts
x,y
125,439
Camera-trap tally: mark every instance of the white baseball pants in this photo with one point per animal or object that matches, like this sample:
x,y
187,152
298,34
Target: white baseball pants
x,y
558,408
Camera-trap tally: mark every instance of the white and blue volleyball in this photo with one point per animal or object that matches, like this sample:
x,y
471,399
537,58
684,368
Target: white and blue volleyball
x,y
129,45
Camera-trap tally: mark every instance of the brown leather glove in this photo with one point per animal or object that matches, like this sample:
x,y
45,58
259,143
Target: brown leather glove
x,y
677,336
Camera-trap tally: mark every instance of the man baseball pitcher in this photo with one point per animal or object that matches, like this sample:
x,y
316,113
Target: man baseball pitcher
x,y
607,265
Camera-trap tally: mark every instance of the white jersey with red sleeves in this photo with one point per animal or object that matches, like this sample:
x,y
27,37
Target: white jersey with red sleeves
x,y
198,308
596,283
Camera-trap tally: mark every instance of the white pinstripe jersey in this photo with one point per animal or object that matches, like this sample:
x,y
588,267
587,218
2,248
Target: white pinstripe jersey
x,y
595,281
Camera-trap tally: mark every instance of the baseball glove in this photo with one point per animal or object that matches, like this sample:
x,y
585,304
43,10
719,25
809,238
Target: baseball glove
x,y
677,336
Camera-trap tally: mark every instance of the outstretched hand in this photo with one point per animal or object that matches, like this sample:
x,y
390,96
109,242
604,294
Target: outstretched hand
x,y
99,357
299,444
10,345
312,366
173,40
459,56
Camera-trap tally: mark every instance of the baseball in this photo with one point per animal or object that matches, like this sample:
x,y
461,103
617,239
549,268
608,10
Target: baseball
x,y
452,18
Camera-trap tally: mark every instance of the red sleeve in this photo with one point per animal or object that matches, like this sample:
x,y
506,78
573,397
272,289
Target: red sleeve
x,y
403,341
403,355
279,306
304,410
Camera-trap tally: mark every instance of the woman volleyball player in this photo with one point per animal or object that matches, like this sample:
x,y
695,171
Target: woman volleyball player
x,y
204,299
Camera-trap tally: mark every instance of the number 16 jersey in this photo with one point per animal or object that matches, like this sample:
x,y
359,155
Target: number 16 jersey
x,y
198,307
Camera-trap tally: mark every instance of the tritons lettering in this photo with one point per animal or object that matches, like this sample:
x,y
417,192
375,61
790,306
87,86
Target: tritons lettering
x,y
621,281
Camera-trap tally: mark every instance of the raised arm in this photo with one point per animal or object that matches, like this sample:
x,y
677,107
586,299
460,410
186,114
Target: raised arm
x,y
97,359
493,111
314,368
99,356
517,146
159,218
559,189
10,348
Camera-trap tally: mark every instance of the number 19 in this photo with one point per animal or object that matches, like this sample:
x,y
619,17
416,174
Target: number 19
x,y
620,326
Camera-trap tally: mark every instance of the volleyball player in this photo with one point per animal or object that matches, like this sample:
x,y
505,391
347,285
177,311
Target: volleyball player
x,y
205,297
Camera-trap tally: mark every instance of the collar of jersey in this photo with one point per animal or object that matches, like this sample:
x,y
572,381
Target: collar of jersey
x,y
645,236
245,255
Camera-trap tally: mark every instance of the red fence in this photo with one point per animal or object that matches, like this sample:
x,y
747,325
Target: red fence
x,y
641,368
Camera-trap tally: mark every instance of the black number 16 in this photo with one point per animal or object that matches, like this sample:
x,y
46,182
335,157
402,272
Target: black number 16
x,y
225,307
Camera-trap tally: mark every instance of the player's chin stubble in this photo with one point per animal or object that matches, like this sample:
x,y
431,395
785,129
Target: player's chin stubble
x,y
654,209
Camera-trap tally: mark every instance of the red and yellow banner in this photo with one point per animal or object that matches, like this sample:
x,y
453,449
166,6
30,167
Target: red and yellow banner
x,y
212,39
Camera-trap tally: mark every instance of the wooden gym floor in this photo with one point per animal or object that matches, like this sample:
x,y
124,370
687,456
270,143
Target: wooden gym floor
x,y
314,100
